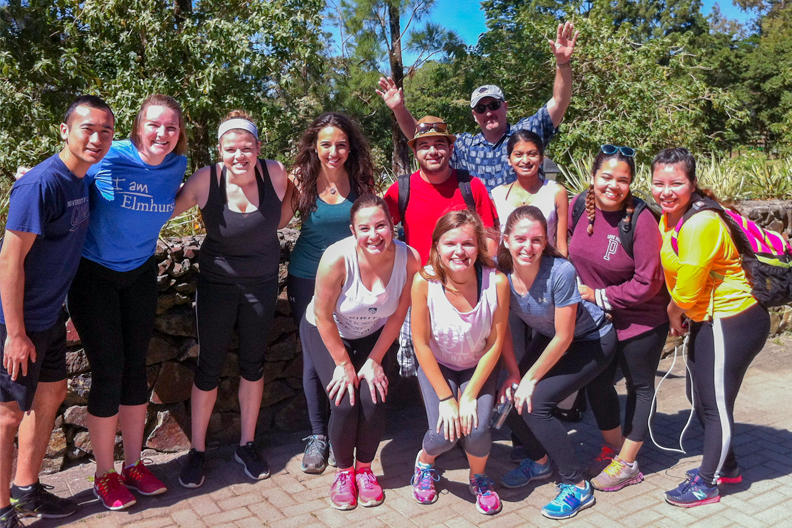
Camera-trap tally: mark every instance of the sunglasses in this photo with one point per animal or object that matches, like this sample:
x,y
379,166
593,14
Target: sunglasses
x,y
481,108
423,128
613,149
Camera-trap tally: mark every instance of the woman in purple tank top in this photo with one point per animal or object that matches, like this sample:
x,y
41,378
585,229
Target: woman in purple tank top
x,y
460,309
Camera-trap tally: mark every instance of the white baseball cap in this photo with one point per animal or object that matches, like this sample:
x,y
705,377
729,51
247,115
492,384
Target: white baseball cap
x,y
488,90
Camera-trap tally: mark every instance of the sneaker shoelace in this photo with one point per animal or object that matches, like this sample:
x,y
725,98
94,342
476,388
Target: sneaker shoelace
x,y
367,479
425,478
483,485
566,494
615,467
343,478
109,482
316,446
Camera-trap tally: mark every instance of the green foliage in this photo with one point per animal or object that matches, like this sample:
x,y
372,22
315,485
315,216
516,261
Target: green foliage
x,y
211,55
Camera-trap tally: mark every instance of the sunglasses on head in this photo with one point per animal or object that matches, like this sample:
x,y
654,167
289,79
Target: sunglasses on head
x,y
481,108
423,128
613,149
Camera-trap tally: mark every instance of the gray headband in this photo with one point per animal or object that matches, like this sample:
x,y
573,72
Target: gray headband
x,y
235,123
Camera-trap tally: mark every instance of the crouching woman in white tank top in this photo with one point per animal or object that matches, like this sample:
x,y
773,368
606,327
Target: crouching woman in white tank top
x,y
361,299
460,308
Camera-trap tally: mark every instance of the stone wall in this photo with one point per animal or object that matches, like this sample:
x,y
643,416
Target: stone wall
x,y
174,350
172,357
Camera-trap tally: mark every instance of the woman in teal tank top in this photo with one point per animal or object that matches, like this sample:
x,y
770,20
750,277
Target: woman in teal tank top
x,y
333,167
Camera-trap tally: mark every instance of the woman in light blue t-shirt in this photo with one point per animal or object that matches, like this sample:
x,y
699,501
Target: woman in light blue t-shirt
x,y
575,343
113,299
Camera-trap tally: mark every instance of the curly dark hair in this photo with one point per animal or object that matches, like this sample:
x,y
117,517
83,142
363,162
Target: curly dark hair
x,y
307,167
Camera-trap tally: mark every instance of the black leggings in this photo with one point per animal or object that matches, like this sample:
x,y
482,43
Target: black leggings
x,y
638,358
355,431
300,292
719,355
221,307
545,434
114,311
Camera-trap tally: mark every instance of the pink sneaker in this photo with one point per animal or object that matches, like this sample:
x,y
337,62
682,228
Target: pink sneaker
x,y
369,491
423,483
111,491
487,501
343,493
139,478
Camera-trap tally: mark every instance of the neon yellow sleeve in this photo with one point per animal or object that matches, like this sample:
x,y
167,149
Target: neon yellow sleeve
x,y
701,241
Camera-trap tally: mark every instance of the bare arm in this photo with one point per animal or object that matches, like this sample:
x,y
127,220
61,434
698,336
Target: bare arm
x,y
18,347
562,212
562,48
188,195
421,330
287,207
394,98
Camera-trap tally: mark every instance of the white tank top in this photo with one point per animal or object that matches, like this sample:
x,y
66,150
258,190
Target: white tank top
x,y
360,312
457,339
544,200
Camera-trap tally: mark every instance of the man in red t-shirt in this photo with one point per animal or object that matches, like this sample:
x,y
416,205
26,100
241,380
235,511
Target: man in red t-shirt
x,y
434,189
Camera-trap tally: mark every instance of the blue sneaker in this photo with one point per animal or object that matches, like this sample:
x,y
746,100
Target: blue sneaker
x,y
526,472
692,493
569,501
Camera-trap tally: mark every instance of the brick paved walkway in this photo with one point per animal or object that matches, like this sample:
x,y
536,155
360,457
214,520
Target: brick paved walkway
x,y
291,498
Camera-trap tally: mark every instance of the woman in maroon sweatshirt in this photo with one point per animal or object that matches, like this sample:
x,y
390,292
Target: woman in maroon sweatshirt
x,y
631,289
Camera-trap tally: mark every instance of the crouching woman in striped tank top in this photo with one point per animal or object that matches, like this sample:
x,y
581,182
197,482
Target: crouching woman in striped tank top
x,y
362,296
460,309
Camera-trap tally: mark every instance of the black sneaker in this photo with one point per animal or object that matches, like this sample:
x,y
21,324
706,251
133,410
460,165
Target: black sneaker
x,y
314,459
192,474
39,502
9,519
250,458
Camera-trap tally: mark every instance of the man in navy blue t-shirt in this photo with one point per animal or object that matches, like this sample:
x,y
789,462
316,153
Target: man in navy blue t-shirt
x,y
47,222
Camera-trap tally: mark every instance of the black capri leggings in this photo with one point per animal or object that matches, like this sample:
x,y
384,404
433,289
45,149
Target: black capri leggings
x,y
113,311
545,435
300,292
221,307
719,355
355,431
638,358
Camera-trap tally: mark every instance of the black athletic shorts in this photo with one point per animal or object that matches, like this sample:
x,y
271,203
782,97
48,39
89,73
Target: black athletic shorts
x,y
50,365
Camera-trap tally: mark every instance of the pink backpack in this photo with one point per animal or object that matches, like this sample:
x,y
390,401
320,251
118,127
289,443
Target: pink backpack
x,y
766,255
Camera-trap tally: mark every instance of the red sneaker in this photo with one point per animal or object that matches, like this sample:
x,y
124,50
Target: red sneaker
x,y
109,488
139,478
369,491
343,493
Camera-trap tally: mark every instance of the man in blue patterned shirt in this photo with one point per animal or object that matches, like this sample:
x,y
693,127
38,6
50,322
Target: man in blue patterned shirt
x,y
484,154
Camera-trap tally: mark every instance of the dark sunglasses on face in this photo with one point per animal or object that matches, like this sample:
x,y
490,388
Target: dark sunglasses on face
x,y
423,128
481,108
612,149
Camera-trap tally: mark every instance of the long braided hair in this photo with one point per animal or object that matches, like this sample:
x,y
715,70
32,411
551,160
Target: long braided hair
x,y
628,203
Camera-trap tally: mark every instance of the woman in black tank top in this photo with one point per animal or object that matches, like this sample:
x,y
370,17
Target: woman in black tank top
x,y
243,202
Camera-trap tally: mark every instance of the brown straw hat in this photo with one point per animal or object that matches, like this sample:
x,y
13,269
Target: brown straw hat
x,y
430,126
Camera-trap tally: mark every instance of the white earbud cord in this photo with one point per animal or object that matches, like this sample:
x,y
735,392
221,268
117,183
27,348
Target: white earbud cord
x,y
689,375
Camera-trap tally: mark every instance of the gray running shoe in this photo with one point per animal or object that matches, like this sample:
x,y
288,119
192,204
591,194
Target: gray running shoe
x,y
314,458
617,475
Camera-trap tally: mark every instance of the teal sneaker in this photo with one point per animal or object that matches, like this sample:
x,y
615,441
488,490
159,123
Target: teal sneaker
x,y
527,472
569,501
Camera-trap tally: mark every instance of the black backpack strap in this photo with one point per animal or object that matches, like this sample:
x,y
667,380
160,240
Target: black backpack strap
x,y
463,177
403,181
627,230
578,208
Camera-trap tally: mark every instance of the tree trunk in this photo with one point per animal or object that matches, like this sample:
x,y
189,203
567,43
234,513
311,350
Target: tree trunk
x,y
401,152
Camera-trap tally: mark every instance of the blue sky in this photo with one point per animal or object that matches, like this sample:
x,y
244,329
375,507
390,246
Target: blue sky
x,y
466,18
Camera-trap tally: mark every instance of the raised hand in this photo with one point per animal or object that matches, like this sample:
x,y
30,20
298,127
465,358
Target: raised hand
x,y
564,44
390,93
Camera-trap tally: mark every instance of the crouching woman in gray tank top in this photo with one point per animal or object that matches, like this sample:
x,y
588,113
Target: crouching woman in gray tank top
x,y
460,309
362,296
243,201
